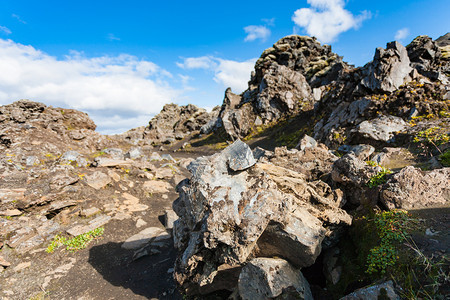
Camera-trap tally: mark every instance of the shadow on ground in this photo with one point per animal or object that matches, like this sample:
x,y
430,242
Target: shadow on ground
x,y
147,276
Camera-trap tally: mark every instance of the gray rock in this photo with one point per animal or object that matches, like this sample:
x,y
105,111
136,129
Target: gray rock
x,y
155,156
352,175
168,157
32,161
375,292
388,70
114,153
224,215
382,128
111,162
73,156
362,151
239,156
169,218
133,153
267,278
412,188
306,142
144,237
93,224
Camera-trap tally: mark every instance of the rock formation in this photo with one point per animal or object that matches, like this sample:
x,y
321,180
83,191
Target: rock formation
x,y
276,223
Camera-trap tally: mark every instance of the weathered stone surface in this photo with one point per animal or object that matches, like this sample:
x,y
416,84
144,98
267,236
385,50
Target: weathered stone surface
x,y
412,188
362,152
225,215
239,156
93,224
98,180
70,157
169,218
157,186
267,278
143,237
382,128
10,212
111,162
306,142
9,195
311,161
4,262
352,175
389,68
384,290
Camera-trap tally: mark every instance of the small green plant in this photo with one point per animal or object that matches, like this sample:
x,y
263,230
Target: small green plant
x,y
371,163
445,158
391,228
433,136
77,243
97,154
379,178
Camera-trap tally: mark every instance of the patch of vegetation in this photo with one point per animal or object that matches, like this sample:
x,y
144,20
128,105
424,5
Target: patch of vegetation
x,y
41,296
391,229
445,158
433,136
379,178
379,247
97,154
76,243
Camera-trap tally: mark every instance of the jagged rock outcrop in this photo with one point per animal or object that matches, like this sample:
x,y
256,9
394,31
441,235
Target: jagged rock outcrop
x,y
175,122
389,69
282,85
299,75
264,210
33,132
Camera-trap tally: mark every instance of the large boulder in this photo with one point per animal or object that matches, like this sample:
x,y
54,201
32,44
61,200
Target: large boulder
x,y
412,188
228,217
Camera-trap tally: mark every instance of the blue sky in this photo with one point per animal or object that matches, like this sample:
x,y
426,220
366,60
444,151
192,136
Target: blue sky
x,y
121,61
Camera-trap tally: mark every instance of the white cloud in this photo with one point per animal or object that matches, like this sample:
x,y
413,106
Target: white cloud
x,y
111,37
401,33
228,73
5,30
234,74
202,62
326,19
256,32
121,86
18,18
269,22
